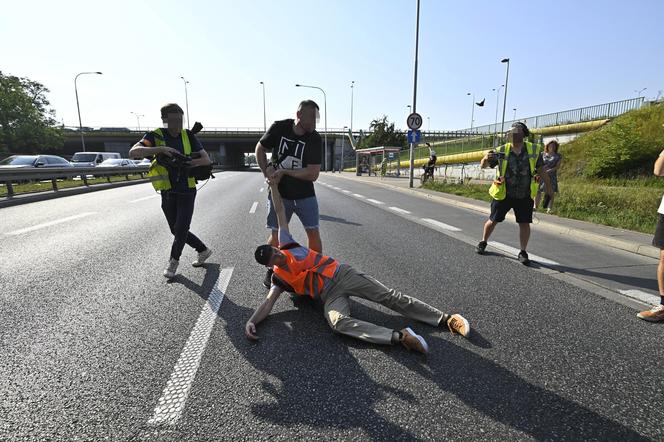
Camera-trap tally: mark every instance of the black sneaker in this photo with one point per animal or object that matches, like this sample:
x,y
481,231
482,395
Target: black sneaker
x,y
481,247
267,282
523,258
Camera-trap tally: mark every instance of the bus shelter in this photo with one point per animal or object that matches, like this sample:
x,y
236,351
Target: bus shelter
x,y
365,159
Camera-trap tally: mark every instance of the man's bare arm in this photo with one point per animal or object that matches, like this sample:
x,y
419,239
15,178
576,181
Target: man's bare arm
x,y
279,207
262,312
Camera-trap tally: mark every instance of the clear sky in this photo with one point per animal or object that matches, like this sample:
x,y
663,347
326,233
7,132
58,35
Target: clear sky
x,y
564,54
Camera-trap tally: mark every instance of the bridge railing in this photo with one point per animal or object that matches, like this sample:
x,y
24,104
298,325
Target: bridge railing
x,y
579,115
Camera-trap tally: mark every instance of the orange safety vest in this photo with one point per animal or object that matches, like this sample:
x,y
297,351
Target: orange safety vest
x,y
306,276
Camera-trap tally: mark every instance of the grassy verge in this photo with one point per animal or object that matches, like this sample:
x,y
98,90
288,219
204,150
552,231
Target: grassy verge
x,y
626,204
46,186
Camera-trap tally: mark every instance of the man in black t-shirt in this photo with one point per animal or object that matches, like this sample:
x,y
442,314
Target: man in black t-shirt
x,y
296,157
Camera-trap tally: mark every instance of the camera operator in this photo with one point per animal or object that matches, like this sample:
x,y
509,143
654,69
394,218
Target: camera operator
x,y
519,164
172,149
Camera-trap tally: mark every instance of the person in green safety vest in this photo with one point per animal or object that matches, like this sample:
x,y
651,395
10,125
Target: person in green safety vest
x,y
178,190
520,165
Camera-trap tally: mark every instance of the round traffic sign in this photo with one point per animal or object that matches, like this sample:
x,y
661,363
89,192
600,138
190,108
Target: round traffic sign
x,y
414,121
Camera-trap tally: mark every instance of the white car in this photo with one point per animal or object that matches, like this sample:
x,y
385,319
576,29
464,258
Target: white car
x,y
117,162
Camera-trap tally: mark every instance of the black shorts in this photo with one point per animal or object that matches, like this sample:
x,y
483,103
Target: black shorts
x,y
523,209
658,240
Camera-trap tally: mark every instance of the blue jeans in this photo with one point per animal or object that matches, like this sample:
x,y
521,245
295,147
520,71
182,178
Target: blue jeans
x,y
306,209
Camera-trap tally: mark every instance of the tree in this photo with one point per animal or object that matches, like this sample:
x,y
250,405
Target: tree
x,y
383,134
27,124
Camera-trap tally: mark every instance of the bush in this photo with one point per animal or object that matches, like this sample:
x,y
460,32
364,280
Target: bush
x,y
625,147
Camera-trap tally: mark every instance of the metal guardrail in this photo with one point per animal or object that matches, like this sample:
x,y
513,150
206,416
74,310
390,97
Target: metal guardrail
x,y
8,177
579,115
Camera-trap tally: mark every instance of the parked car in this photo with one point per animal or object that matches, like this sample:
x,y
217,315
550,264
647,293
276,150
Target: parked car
x,y
23,161
117,162
92,159
143,162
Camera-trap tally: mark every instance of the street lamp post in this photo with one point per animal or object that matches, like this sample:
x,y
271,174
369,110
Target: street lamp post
x,y
264,117
138,120
417,46
495,123
472,113
514,118
78,107
639,92
428,124
507,76
186,98
352,85
325,107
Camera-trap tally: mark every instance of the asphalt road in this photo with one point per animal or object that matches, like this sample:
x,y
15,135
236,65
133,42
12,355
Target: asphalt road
x,y
94,339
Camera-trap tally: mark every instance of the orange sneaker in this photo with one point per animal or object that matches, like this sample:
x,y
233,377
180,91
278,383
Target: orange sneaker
x,y
458,324
413,341
655,314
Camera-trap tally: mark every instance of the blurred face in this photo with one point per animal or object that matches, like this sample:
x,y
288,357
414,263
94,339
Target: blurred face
x,y
307,118
173,121
516,135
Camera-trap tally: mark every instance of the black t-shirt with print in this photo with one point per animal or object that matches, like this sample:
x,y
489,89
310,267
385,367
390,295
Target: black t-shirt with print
x,y
291,151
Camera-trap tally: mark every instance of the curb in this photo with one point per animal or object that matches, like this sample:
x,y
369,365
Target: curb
x,y
629,246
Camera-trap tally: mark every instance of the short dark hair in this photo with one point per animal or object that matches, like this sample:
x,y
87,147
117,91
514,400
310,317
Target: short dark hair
x,y
263,254
170,108
307,103
523,127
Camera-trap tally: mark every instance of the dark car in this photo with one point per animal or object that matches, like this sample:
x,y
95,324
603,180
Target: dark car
x,y
23,161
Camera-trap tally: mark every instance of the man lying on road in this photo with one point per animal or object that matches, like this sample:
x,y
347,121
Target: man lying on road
x,y
305,272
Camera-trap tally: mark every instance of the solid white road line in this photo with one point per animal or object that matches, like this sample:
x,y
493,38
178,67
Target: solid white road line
x,y
171,403
440,225
513,251
396,209
641,296
375,201
51,223
143,199
253,207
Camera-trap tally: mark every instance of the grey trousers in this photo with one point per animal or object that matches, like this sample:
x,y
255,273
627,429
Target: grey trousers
x,y
349,282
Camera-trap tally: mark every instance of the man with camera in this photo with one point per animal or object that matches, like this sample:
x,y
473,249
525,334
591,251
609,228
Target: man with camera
x,y
172,149
520,165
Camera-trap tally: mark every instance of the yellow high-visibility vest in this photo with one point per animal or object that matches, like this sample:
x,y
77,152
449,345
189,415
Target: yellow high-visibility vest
x,y
158,174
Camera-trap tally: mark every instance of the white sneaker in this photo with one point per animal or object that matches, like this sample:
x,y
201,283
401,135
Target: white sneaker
x,y
171,269
202,256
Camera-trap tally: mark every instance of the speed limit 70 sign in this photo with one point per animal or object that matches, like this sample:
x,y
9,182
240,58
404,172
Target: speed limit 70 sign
x,y
414,121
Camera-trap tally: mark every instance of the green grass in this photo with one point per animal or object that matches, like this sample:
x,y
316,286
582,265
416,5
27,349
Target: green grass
x,y
46,186
626,204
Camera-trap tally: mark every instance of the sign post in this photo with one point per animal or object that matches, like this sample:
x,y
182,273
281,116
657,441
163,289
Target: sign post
x,y
414,122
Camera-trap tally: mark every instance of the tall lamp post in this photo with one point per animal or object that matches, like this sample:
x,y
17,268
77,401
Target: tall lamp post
x,y
417,47
264,117
138,120
507,76
325,107
186,99
639,92
472,113
352,85
495,123
78,107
